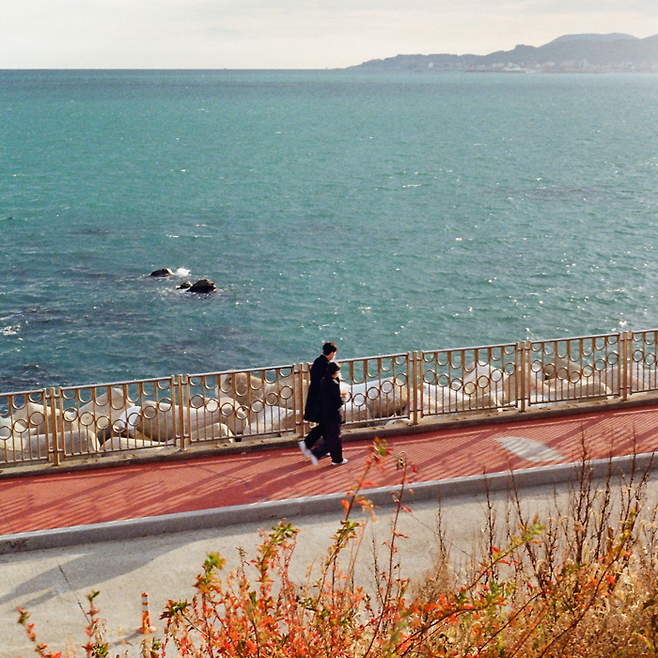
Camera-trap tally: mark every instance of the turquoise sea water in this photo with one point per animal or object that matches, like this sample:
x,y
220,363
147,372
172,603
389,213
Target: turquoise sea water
x,y
387,213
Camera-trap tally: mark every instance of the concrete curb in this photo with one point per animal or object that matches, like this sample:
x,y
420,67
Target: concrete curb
x,y
273,510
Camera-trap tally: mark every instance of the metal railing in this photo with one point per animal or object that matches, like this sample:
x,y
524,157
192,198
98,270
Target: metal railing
x,y
378,389
466,380
582,368
54,424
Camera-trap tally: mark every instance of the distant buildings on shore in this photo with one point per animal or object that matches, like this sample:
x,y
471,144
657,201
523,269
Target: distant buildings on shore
x,y
567,66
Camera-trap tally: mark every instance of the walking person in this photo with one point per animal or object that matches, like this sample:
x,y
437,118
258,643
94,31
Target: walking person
x,y
313,410
331,401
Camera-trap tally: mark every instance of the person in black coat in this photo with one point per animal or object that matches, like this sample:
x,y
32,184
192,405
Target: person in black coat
x,y
331,402
312,410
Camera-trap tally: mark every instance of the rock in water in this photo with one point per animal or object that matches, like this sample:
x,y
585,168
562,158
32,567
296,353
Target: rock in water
x,y
184,286
202,285
165,271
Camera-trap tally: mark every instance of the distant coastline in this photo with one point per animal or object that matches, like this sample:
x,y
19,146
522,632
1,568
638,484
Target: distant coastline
x,y
576,53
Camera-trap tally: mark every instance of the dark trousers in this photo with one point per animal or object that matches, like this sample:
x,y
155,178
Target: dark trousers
x,y
332,444
314,435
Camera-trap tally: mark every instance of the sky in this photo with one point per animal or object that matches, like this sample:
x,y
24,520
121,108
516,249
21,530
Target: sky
x,y
316,34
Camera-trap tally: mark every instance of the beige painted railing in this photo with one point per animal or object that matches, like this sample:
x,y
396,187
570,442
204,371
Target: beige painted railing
x,y
55,424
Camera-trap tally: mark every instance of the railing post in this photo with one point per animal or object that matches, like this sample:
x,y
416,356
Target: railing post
x,y
523,377
181,411
625,364
414,387
299,400
53,427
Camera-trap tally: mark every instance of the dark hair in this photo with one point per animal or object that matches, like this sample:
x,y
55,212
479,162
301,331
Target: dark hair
x,y
332,369
329,348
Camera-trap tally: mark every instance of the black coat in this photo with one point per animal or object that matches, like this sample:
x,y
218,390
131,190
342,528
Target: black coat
x,y
331,401
313,408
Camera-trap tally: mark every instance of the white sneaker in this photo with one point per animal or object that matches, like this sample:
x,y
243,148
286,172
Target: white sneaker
x,y
305,451
314,459
345,460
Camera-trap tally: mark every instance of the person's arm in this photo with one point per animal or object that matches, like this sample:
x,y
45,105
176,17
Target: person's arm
x,y
338,398
318,369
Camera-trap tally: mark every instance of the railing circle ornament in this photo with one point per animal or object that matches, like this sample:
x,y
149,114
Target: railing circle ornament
x,y
86,418
469,388
197,402
272,399
429,377
483,382
70,415
228,409
36,418
496,375
601,364
149,412
286,392
372,393
386,387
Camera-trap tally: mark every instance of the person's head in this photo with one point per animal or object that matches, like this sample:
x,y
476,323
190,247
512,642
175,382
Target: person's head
x,y
333,369
329,350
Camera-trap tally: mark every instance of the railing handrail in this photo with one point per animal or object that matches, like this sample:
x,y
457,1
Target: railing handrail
x,y
555,340
378,356
237,371
30,392
148,380
472,347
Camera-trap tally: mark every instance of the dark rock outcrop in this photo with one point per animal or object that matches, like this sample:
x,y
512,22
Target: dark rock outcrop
x,y
202,286
165,271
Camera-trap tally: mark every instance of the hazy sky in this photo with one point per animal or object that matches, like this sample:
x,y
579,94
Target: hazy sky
x,y
291,33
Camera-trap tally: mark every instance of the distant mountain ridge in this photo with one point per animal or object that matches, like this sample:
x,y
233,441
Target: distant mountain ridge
x,y
593,37
568,53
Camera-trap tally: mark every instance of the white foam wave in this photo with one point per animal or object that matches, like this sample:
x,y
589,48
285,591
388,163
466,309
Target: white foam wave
x,y
182,272
9,330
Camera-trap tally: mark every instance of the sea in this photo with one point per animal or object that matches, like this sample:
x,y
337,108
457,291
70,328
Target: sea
x,y
385,212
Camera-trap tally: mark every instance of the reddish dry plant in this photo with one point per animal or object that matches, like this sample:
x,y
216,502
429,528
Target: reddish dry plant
x,y
96,646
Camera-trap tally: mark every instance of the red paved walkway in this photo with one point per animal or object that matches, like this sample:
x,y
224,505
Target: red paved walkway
x,y
78,498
